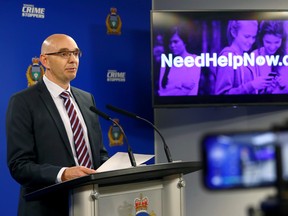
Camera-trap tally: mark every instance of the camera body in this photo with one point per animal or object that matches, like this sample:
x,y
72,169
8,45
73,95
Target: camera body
x,y
246,160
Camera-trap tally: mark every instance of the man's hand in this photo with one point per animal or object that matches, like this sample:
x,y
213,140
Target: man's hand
x,y
76,172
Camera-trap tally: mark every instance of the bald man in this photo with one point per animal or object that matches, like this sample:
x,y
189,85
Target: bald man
x,y
40,142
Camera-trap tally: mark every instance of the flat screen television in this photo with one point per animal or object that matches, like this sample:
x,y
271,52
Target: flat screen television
x,y
235,57
244,159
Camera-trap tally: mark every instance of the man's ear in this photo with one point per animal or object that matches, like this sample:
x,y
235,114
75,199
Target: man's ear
x,y
44,61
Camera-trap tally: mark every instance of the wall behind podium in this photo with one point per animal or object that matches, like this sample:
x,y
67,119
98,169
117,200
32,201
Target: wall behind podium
x,y
184,128
114,68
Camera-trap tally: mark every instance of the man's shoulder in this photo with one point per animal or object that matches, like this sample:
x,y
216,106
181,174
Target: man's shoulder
x,y
29,91
82,96
30,95
80,91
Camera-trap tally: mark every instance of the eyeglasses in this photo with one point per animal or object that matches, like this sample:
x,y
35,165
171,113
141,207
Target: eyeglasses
x,y
67,54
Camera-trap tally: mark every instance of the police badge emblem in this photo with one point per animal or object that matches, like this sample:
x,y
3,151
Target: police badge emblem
x,y
34,72
113,22
141,206
115,135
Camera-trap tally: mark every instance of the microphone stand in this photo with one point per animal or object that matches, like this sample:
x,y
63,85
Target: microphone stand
x,y
105,116
132,115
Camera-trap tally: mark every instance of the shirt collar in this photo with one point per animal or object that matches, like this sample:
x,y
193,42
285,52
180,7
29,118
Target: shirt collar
x,y
54,89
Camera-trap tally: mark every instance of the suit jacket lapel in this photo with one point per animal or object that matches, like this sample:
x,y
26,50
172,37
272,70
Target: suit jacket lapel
x,y
53,111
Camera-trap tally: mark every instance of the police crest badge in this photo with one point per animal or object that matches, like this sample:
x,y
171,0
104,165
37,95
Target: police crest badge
x,y
115,135
113,22
141,206
34,72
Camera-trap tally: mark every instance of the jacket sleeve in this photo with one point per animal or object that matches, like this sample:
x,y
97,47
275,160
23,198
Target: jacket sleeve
x,y
21,148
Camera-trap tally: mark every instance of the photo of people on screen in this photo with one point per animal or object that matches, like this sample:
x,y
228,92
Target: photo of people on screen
x,y
174,80
272,42
241,35
221,57
158,49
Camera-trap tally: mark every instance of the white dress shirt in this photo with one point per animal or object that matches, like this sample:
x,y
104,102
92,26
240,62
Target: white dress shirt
x,y
55,91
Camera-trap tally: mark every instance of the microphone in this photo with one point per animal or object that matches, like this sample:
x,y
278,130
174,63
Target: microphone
x,y
105,116
132,115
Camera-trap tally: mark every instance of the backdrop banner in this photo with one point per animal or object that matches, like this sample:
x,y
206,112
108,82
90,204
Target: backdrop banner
x,y
114,37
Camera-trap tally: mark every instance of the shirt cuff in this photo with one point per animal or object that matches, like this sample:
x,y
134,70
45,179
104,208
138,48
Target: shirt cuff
x,y
59,175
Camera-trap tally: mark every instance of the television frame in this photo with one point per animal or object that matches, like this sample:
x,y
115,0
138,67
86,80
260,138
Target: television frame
x,y
162,20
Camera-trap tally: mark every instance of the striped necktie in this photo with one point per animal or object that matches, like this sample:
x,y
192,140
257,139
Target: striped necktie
x,y
78,134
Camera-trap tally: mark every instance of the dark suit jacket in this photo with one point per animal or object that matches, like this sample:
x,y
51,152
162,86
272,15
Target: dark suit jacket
x,y
38,145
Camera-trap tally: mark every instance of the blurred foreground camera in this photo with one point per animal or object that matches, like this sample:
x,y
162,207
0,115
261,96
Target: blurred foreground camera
x,y
246,160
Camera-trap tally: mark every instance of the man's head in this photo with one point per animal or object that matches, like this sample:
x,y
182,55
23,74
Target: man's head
x,y
60,56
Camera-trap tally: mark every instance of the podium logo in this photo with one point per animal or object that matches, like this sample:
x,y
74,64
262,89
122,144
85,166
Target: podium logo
x,y
141,206
125,209
29,10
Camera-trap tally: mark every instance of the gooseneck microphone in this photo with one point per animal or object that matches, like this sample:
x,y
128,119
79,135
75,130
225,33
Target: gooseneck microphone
x,y
132,115
105,116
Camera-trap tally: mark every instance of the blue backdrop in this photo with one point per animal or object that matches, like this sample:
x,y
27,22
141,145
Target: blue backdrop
x,y
128,53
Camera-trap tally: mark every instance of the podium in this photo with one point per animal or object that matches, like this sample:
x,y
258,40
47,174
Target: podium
x,y
152,190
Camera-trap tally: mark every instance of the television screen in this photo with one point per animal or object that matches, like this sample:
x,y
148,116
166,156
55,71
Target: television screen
x,y
219,57
243,159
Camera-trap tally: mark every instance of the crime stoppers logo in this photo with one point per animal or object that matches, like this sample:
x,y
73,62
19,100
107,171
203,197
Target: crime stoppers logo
x,y
115,76
30,11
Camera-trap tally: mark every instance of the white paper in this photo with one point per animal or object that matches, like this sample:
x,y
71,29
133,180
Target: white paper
x,y
121,160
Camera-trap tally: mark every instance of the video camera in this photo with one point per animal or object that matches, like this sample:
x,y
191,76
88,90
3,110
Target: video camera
x,y
246,160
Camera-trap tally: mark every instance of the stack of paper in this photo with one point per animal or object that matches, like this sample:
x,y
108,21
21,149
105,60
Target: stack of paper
x,y
121,160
